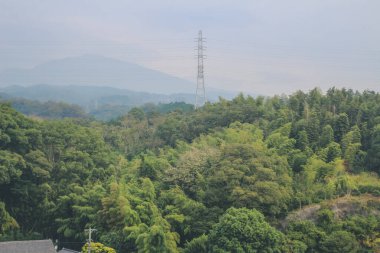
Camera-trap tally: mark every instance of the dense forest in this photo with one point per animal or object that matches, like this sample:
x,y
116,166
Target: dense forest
x,y
102,103
105,112
296,173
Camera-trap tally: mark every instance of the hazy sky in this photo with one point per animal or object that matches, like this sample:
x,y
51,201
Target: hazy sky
x,y
260,46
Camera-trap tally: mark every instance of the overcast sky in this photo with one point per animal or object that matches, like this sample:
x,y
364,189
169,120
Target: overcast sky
x,y
258,46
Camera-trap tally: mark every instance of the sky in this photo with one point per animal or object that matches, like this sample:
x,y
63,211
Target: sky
x,y
257,46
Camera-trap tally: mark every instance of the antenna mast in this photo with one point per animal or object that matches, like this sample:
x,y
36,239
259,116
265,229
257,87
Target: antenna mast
x,y
200,94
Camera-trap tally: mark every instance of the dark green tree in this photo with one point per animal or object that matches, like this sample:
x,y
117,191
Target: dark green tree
x,y
243,230
307,233
327,136
340,241
197,245
374,151
341,126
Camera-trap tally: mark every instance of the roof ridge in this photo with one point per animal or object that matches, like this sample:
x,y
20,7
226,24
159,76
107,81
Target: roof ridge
x,y
27,241
71,250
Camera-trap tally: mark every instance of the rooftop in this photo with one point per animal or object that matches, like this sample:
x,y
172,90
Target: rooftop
x,y
34,246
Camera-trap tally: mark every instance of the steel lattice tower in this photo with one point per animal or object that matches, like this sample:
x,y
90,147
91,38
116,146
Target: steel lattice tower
x,y
200,94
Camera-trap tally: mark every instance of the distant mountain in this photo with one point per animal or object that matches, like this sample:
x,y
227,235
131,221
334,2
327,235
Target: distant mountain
x,y
90,70
102,102
91,96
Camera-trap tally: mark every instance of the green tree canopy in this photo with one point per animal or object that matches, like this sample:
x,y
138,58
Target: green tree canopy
x,y
244,230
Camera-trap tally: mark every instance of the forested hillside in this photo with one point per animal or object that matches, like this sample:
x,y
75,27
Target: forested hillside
x,y
296,173
49,110
60,110
103,103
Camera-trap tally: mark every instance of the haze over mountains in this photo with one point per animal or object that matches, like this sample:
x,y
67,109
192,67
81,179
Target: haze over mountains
x,y
91,70
91,96
99,84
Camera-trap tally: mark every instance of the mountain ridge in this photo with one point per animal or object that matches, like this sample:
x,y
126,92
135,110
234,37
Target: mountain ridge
x,y
93,70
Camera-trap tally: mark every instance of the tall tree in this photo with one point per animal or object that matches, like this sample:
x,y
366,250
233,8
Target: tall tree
x,y
244,230
374,151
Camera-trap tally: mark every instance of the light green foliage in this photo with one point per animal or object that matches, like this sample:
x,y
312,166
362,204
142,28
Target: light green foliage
x,y
351,144
191,165
331,152
116,212
280,143
321,180
11,166
97,247
38,164
239,158
190,218
78,209
7,222
130,209
197,245
248,174
157,238
350,138
365,183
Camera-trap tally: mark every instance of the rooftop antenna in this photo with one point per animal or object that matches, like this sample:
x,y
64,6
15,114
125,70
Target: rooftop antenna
x,y
200,94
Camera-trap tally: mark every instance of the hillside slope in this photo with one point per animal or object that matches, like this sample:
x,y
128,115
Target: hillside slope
x,y
341,207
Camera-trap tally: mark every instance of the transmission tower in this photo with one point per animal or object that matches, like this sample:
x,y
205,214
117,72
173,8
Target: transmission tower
x,y
200,94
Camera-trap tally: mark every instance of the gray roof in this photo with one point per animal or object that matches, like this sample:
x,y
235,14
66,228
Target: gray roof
x,y
35,246
64,250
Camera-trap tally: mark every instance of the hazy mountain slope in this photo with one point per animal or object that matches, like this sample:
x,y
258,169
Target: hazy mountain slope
x,y
97,71
81,95
104,103
48,110
90,96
